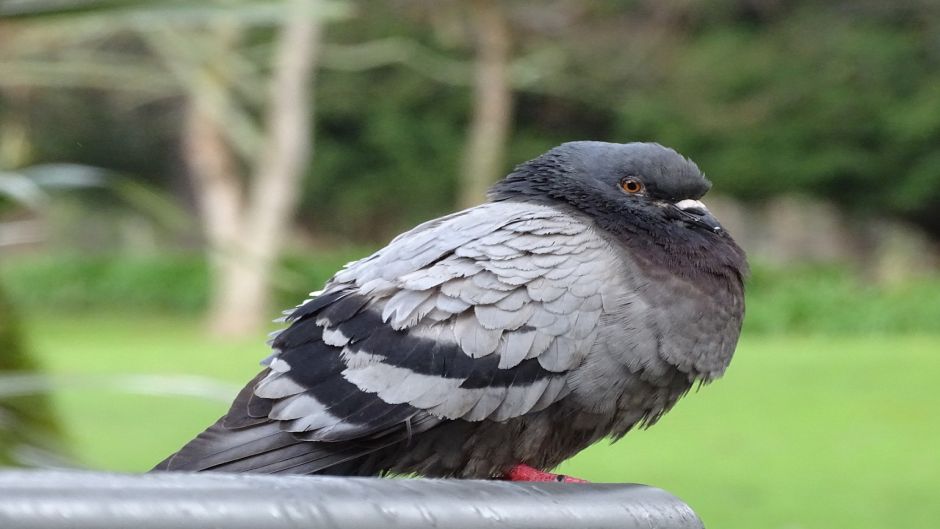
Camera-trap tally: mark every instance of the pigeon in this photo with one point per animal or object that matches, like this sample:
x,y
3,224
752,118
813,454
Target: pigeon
x,y
587,295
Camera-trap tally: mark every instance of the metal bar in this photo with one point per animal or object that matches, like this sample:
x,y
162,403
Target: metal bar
x,y
76,500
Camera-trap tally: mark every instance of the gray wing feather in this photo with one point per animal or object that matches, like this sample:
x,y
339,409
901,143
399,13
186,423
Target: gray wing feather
x,y
473,337
507,279
540,344
295,407
496,318
455,305
277,387
520,398
490,399
515,348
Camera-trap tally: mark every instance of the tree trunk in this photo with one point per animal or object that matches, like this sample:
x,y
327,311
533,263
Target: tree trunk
x,y
285,153
484,152
246,229
215,176
15,146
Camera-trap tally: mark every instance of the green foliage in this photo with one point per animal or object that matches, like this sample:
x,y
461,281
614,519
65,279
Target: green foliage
x,y
835,100
834,300
819,101
67,283
166,283
386,164
26,422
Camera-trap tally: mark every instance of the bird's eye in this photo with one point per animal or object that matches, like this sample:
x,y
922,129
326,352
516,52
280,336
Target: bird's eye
x,y
631,185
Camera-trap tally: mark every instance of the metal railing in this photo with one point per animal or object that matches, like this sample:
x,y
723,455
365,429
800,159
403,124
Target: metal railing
x,y
76,500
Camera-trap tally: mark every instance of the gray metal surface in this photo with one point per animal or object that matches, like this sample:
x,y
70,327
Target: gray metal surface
x,y
67,499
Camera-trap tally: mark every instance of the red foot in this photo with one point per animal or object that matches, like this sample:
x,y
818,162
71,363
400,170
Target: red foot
x,y
526,473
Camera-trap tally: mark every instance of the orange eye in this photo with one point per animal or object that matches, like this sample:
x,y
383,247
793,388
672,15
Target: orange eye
x,y
631,185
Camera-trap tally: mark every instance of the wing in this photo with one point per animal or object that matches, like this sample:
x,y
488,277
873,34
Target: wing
x,y
479,315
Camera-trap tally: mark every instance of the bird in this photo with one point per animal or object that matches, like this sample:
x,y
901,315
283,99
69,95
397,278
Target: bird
x,y
589,293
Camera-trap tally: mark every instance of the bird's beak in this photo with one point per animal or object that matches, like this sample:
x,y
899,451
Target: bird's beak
x,y
695,212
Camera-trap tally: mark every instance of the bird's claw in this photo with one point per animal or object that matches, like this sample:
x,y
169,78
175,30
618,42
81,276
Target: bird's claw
x,y
522,472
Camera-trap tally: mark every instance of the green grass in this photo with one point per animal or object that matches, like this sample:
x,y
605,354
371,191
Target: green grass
x,y
803,432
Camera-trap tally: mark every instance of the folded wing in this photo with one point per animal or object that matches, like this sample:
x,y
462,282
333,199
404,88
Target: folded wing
x,y
477,316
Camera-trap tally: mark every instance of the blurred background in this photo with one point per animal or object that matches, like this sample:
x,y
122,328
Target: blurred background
x,y
174,173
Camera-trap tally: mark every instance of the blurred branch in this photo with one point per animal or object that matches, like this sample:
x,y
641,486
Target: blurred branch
x,y
397,50
99,16
527,72
132,77
492,103
14,233
63,26
152,202
204,71
23,384
21,189
30,187
189,54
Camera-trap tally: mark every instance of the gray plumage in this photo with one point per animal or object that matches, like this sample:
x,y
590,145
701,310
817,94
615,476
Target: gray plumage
x,y
567,309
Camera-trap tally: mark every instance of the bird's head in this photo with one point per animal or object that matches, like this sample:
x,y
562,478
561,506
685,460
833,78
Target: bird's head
x,y
642,183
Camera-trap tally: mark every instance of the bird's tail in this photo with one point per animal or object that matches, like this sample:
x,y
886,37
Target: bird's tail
x,y
265,448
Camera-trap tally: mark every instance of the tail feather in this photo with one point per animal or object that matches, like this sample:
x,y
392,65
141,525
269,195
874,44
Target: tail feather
x,y
265,448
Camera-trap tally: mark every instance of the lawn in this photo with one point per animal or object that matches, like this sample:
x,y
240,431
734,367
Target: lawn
x,y
803,431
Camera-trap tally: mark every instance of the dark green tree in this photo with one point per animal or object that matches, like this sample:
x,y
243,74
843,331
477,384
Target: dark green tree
x,y
28,427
